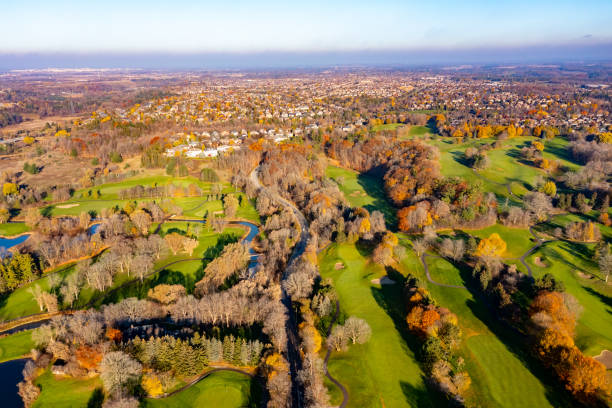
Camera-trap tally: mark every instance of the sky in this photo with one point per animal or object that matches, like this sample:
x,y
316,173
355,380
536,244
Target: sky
x,y
134,28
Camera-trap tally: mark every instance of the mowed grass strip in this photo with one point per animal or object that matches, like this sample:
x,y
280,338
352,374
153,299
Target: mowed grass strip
x,y
223,389
383,372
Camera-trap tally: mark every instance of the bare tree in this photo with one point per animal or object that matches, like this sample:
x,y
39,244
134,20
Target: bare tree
x,y
189,244
357,330
142,221
605,264
118,370
337,339
142,266
37,293
28,392
538,203
420,246
175,242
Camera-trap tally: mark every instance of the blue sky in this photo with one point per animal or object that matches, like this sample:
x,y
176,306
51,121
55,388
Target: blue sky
x,y
183,26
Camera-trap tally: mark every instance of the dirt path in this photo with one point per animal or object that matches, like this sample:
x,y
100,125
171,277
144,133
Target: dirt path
x,y
345,394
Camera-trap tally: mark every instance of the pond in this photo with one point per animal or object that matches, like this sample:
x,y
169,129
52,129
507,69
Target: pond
x,y
8,243
10,376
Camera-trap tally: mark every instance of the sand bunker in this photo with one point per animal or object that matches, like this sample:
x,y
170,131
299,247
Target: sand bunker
x,y
339,265
538,262
605,358
385,280
583,275
68,205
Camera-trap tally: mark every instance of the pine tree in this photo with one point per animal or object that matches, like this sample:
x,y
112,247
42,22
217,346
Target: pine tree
x,y
245,353
228,348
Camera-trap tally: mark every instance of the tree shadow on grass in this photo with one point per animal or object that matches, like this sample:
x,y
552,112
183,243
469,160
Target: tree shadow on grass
x,y
606,300
140,290
96,399
372,183
516,343
389,297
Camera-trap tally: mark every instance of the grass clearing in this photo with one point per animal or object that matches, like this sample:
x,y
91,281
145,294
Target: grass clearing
x,y
9,229
65,392
15,345
223,389
518,240
363,190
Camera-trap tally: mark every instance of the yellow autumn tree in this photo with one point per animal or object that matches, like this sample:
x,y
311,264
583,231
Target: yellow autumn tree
x,y
492,246
152,385
9,188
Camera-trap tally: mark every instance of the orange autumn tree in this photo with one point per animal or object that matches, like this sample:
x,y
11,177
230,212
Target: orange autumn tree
x,y
554,325
88,357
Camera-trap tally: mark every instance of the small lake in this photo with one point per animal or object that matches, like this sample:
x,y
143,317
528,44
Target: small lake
x,y
10,376
8,243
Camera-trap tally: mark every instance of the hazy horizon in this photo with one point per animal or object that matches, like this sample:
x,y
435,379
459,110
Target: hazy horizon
x,y
276,59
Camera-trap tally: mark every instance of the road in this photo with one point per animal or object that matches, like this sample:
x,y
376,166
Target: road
x,y
293,354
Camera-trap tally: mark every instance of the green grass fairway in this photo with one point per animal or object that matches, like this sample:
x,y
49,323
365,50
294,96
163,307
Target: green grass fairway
x,y
499,375
566,261
13,228
505,166
58,392
518,240
82,200
387,126
363,190
383,372
444,272
222,389
417,131
451,165
15,345
21,303
557,149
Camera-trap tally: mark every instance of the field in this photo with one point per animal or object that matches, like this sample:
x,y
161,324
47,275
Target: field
x,y
501,377
518,240
16,345
383,372
223,389
83,200
363,190
21,303
67,392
